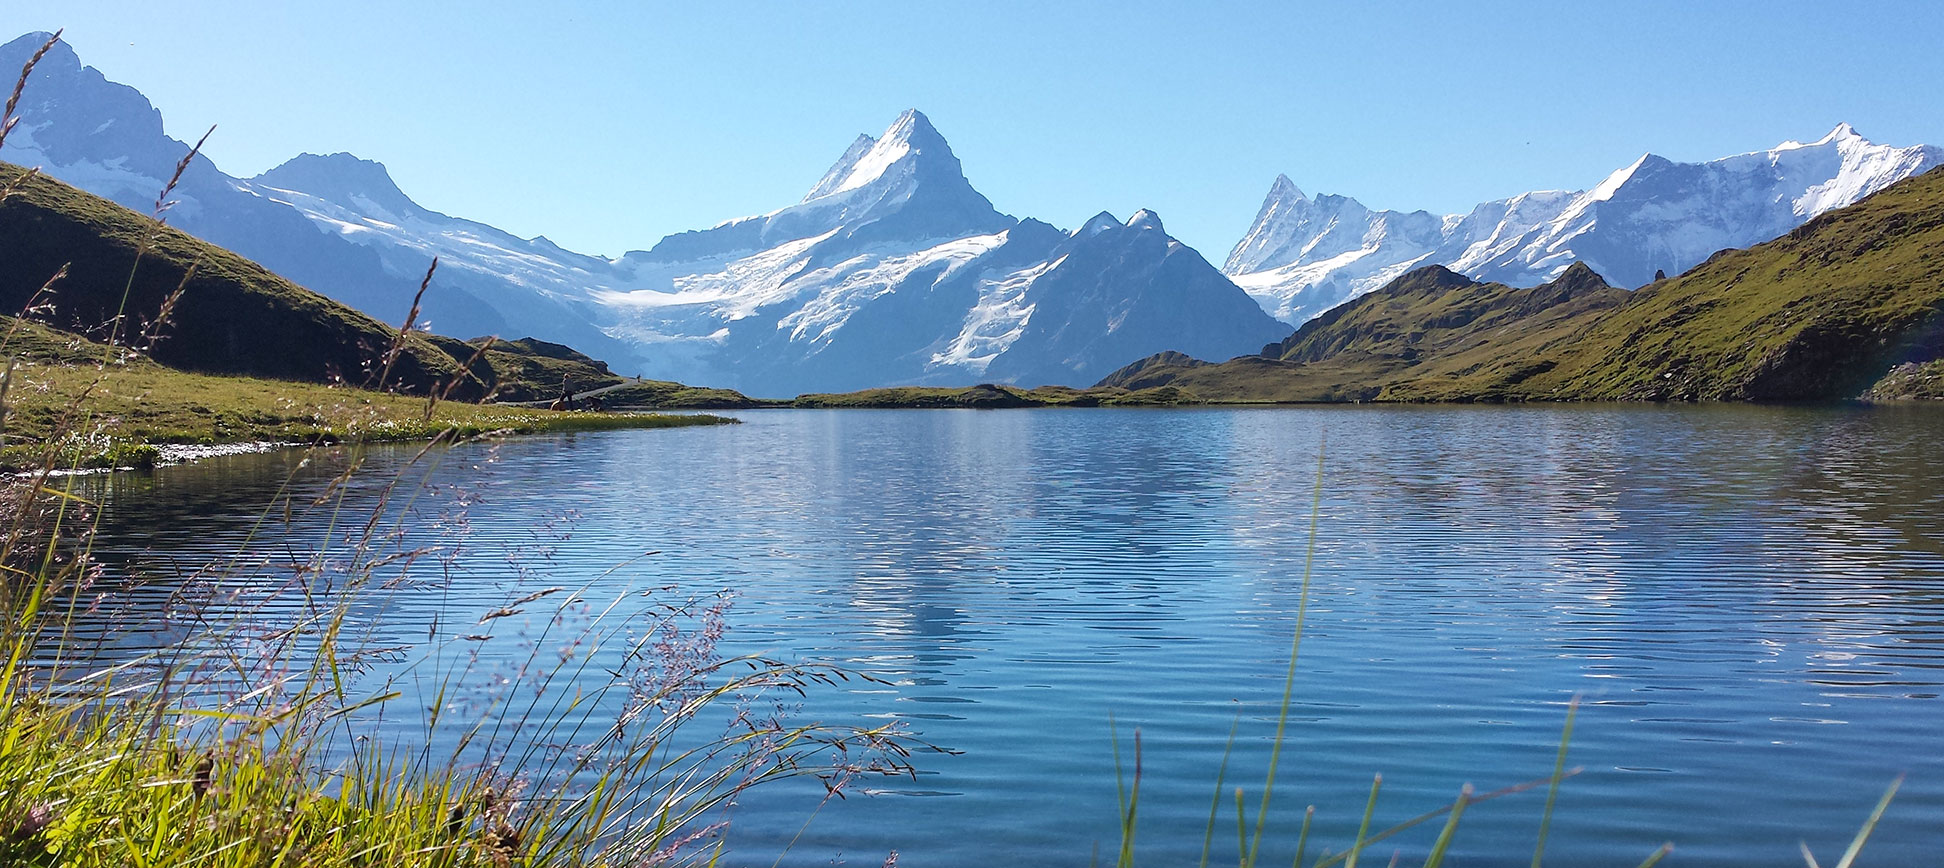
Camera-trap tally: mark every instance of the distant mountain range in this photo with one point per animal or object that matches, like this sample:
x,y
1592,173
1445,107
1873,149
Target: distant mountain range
x,y
1847,305
1304,256
893,269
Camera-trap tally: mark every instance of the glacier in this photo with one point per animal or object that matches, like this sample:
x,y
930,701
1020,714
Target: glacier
x,y
1303,256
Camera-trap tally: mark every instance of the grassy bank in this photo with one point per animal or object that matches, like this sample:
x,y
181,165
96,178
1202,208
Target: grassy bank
x,y
100,407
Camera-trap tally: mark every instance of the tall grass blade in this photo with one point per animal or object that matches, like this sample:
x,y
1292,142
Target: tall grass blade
x,y
1363,830
1552,791
1443,843
1133,805
1869,825
1302,838
1221,772
1660,854
1241,830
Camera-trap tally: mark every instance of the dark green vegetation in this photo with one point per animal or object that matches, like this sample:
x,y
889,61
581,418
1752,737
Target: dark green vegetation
x,y
530,369
988,396
1849,304
666,395
1911,380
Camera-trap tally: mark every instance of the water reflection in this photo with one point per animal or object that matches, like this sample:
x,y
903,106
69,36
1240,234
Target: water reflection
x,y
1743,596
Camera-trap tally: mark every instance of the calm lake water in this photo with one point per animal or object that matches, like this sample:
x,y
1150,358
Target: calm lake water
x,y
1750,602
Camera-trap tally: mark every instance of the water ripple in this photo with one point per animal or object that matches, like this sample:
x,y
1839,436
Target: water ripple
x,y
1745,597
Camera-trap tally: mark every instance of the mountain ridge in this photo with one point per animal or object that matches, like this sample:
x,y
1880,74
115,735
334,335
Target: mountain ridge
x,y
888,271
1302,256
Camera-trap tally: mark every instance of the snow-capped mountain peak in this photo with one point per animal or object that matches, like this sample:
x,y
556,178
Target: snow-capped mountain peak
x,y
905,184
1145,220
1097,224
1285,190
1842,132
910,138
1302,257
342,179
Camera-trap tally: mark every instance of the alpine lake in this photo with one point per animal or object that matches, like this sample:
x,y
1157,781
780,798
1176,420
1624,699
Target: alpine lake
x,y
1747,602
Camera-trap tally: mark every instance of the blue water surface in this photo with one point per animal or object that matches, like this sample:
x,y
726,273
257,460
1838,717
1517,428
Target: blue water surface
x,y
1749,603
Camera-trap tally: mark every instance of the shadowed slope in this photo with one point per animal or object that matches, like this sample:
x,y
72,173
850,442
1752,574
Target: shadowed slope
x,y
234,316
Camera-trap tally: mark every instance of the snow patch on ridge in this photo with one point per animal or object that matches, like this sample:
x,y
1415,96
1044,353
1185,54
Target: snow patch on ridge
x,y
996,321
843,288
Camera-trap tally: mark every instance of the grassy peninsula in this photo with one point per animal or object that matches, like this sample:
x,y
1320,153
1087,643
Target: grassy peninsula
x,y
97,406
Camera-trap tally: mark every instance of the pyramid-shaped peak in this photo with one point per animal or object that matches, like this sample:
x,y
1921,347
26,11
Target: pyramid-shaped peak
x,y
912,125
1841,132
1615,181
1286,190
1577,278
910,143
340,178
1145,219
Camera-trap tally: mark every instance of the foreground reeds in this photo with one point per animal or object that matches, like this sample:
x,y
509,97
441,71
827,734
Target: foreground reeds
x,y
1249,837
251,740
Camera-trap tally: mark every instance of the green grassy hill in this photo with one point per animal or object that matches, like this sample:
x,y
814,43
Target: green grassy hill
x,y
1822,313
234,316
1849,304
1426,328
527,369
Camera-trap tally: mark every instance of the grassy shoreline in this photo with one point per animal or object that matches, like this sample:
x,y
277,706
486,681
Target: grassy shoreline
x,y
101,408
1914,386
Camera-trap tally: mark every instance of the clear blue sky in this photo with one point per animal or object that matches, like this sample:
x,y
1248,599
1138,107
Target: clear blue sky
x,y
607,125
